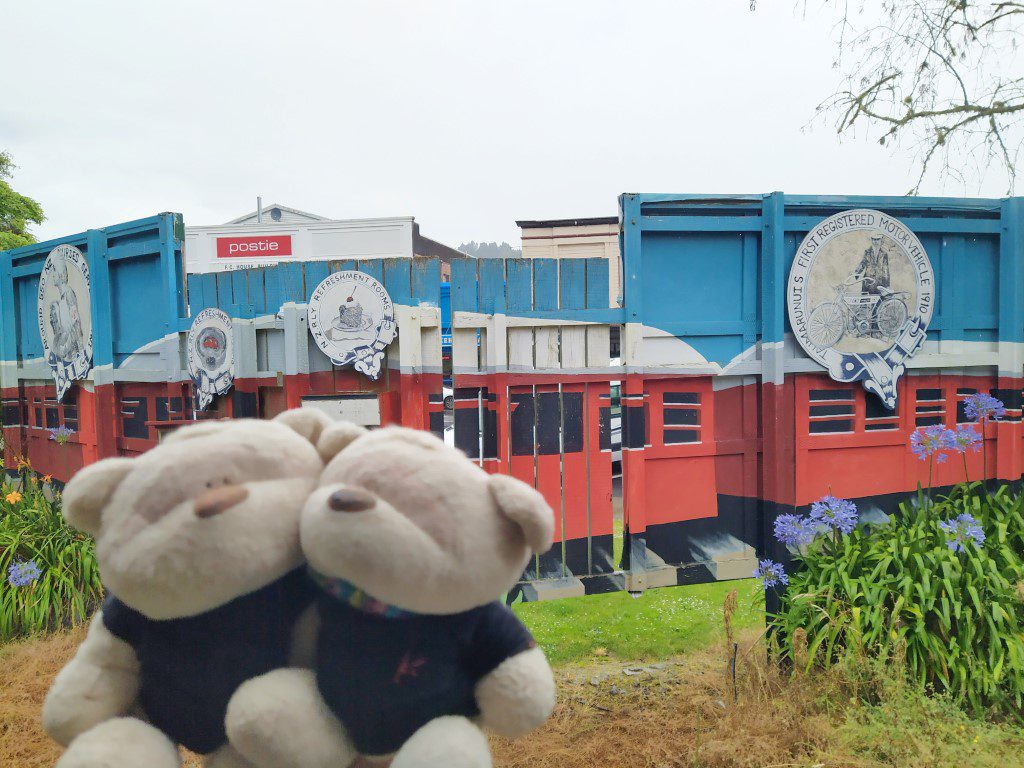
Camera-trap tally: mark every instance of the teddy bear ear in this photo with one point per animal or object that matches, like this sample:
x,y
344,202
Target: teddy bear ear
x,y
308,422
526,507
89,491
337,437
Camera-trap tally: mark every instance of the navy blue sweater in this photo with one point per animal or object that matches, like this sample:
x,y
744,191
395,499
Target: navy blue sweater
x,y
384,678
191,666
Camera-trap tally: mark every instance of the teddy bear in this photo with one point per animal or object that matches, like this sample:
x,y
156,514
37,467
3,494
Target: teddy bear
x,y
410,544
198,547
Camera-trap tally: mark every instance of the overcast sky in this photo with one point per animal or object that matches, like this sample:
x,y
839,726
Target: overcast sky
x,y
467,114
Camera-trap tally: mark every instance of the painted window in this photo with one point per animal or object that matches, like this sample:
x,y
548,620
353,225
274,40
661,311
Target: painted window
x,y
878,418
681,417
930,408
15,413
962,393
831,411
134,415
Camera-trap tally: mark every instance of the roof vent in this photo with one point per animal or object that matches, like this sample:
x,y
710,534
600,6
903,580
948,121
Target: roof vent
x,y
275,214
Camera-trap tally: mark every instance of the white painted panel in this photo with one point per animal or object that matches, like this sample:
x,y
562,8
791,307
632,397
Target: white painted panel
x,y
364,411
574,347
465,356
598,346
546,345
520,349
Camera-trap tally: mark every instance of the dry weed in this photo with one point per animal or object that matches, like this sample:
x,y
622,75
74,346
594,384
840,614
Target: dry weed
x,y
26,671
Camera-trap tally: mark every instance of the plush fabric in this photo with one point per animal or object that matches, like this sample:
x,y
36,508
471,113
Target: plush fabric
x,y
198,542
122,742
190,667
408,670
412,543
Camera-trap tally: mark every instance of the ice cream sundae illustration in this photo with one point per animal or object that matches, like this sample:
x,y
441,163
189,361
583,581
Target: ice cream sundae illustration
x,y
351,320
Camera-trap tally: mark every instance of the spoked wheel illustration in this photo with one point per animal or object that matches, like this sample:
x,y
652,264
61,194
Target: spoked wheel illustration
x,y
890,316
826,325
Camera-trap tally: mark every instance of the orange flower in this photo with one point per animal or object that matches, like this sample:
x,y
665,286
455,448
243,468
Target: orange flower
x,y
47,479
23,464
13,497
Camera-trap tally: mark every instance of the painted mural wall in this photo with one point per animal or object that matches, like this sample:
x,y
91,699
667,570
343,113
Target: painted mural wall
x,y
769,349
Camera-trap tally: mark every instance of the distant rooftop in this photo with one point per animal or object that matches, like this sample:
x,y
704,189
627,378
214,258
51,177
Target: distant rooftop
x,y
543,223
275,212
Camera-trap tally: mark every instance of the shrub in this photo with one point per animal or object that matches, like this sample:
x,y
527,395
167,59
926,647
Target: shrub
x,y
920,590
49,578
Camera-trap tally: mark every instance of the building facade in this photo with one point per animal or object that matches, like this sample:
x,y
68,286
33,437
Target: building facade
x,y
577,239
281,234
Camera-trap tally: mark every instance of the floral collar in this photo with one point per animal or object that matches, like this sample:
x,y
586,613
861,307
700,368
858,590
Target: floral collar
x,y
346,592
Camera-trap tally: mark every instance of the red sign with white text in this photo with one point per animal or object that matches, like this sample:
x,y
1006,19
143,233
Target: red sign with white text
x,y
254,247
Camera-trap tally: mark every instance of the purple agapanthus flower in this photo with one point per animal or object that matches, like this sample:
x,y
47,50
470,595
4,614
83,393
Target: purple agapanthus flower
x,y
981,406
928,442
22,573
964,437
770,573
830,512
61,434
794,530
961,530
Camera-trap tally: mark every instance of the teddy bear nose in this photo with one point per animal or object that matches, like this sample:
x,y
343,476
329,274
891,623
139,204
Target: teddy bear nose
x,y
218,500
350,500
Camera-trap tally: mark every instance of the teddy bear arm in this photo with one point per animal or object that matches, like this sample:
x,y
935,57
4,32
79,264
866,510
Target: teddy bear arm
x,y
518,695
101,682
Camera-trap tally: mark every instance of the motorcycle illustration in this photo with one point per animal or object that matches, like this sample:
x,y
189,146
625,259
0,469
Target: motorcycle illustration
x,y
862,315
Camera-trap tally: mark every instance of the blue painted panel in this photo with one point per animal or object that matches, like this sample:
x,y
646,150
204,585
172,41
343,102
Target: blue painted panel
x,y
572,284
26,299
598,288
545,284
374,268
225,300
976,287
316,272
681,245
291,277
398,280
255,292
520,284
700,279
273,288
426,282
240,293
491,274
464,285
133,321
446,312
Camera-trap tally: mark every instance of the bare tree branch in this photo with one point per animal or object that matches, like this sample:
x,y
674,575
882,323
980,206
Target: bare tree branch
x,y
940,77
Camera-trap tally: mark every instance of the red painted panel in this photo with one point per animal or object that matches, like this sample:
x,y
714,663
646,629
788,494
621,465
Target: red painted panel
x,y
681,489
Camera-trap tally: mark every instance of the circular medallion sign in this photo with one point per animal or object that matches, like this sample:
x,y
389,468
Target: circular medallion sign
x,y
352,320
211,358
65,316
860,297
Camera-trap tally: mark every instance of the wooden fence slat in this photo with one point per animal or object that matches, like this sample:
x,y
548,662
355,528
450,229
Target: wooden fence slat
x,y
316,272
398,280
492,285
520,284
597,283
572,283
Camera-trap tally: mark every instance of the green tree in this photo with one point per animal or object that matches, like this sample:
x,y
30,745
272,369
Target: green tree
x,y
16,211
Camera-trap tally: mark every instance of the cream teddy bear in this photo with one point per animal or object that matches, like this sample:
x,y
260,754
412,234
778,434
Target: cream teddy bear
x,y
198,546
410,543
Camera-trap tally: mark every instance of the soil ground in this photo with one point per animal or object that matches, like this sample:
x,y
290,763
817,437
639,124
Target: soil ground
x,y
676,713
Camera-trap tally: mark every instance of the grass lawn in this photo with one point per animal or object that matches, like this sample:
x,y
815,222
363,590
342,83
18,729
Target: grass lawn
x,y
660,623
